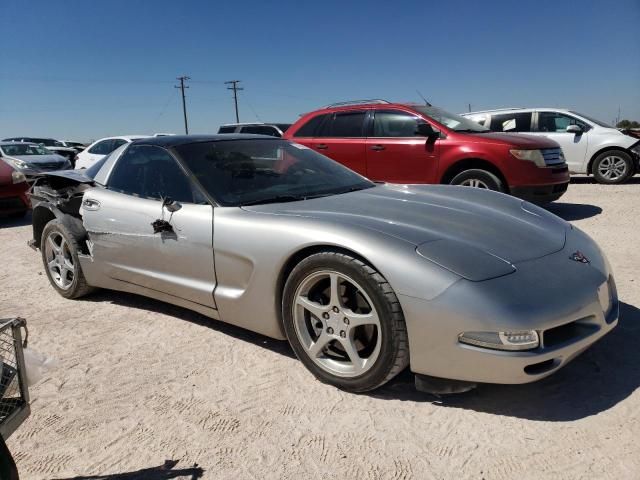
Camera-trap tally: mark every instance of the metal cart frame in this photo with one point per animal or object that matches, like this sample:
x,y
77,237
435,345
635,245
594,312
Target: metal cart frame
x,y
14,392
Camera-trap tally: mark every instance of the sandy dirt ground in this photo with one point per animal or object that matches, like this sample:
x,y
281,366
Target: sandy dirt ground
x,y
147,390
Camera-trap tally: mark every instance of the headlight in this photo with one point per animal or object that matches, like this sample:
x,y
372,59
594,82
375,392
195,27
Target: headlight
x,y
18,177
509,340
19,163
607,295
534,156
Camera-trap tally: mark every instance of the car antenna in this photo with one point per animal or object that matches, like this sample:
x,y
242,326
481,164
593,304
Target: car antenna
x,y
422,97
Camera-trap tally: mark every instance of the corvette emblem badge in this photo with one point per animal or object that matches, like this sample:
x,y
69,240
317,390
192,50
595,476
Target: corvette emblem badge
x,y
578,256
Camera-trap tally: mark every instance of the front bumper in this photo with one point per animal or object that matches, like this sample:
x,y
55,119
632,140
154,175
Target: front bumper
x,y
540,194
553,295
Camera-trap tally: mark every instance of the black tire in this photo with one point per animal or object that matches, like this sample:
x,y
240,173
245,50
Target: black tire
x,y
598,163
79,286
491,181
394,350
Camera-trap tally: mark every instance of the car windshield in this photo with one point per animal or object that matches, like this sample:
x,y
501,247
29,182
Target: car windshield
x,y
251,172
47,142
24,149
451,120
593,120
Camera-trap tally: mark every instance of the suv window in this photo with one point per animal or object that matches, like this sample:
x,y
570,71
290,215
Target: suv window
x,y
557,122
226,129
260,130
151,172
102,148
511,122
309,129
343,125
395,124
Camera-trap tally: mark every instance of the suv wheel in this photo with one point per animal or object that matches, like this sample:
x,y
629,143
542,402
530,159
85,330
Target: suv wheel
x,y
612,167
479,179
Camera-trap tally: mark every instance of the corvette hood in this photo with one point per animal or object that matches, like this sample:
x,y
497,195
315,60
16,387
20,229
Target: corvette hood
x,y
440,219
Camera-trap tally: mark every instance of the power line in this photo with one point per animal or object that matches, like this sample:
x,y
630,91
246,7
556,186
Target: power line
x,y
234,86
251,107
184,104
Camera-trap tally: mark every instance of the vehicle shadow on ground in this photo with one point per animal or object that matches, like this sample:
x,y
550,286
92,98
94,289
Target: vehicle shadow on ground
x,y
137,301
590,180
161,472
573,211
596,381
10,222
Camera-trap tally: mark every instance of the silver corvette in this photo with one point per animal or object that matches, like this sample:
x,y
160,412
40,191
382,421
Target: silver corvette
x,y
362,279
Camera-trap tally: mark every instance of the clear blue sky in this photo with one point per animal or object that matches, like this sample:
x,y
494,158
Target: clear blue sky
x,y
80,69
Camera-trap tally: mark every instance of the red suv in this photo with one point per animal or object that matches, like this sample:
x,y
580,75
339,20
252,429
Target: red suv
x,y
407,143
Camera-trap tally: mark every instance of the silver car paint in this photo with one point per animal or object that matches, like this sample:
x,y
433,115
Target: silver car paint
x,y
251,248
179,263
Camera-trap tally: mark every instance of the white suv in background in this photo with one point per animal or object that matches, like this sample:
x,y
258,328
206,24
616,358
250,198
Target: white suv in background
x,y
100,148
590,146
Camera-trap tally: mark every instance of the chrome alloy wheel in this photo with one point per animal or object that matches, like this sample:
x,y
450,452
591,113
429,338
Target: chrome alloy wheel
x,y
474,182
337,323
612,167
59,260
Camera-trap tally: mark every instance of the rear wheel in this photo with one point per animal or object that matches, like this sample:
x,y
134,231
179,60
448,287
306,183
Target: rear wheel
x,y
614,166
344,322
60,258
479,179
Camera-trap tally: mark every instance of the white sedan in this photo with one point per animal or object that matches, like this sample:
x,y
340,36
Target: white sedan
x,y
100,148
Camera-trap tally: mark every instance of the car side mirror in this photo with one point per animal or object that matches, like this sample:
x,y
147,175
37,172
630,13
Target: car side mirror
x,y
574,129
171,205
426,130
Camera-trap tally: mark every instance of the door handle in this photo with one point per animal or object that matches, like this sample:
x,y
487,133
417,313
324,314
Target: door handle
x,y
322,146
377,148
90,204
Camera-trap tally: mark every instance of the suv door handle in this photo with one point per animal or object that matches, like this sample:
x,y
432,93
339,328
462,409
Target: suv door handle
x,y
322,146
377,148
90,204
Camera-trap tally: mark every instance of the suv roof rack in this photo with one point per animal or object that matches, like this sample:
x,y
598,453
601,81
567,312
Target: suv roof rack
x,y
356,102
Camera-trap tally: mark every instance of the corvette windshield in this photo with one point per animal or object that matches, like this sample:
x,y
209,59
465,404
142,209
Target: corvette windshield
x,y
451,120
252,172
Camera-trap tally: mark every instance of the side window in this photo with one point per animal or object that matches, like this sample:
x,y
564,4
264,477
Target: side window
x,y
151,172
511,122
118,142
344,125
102,148
260,130
395,124
557,122
309,129
226,129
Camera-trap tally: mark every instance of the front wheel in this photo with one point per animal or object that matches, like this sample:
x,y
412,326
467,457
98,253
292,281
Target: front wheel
x,y
344,322
60,258
479,179
612,167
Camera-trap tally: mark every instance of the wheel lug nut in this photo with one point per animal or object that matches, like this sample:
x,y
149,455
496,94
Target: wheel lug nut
x,y
325,315
343,333
330,330
345,320
336,309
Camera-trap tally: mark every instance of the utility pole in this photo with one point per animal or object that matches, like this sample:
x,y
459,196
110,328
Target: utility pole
x,y
234,86
182,86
